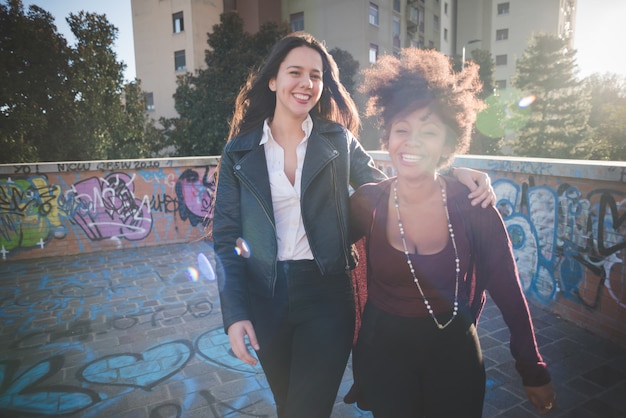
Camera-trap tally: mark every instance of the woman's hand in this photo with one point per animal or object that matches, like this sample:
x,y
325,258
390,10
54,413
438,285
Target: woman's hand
x,y
542,397
479,185
237,337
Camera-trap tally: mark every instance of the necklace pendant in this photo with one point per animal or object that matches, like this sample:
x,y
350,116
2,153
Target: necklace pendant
x,y
410,263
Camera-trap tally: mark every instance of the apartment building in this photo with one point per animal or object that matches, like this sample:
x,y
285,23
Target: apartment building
x,y
505,27
170,35
368,29
169,41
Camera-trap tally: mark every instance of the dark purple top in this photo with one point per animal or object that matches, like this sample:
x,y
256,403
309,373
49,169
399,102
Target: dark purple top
x,y
390,283
487,264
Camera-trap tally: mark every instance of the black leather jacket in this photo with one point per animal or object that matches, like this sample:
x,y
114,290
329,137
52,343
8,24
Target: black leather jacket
x,y
243,209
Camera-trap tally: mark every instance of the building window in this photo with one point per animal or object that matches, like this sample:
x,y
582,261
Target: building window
x,y
396,6
373,53
296,21
431,44
500,84
420,19
178,22
501,59
373,14
445,9
149,98
180,63
396,32
436,23
502,34
413,14
503,8
445,34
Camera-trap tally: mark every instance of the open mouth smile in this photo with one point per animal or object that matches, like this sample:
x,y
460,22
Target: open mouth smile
x,y
411,158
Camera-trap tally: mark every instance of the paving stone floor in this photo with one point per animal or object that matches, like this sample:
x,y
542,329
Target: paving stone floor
x,y
137,333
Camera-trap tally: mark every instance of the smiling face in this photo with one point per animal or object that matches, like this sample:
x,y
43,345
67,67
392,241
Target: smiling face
x,y
417,141
298,83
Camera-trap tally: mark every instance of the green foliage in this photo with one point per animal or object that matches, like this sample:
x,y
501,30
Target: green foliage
x,y
608,117
34,85
205,100
63,103
348,68
557,126
486,65
483,144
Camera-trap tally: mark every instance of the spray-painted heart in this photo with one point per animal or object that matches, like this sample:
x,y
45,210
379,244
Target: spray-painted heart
x,y
142,370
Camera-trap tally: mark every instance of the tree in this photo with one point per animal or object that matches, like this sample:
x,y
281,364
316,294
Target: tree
x,y
557,125
205,100
483,143
98,80
134,135
608,116
61,103
34,88
348,68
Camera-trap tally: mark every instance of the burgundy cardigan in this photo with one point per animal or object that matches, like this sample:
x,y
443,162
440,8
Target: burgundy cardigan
x,y
492,268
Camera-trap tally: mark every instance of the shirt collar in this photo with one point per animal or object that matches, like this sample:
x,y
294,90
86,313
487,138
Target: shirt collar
x,y
307,127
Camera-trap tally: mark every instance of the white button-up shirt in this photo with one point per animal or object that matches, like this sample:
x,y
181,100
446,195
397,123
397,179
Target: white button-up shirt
x,y
292,240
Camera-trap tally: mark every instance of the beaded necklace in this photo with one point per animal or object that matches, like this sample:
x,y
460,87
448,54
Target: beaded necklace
x,y
410,264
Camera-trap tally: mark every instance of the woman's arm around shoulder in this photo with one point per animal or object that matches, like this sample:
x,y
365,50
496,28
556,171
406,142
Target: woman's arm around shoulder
x,y
479,184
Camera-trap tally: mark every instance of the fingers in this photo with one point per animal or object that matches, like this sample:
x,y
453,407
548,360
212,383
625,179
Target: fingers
x,y
237,333
483,197
479,184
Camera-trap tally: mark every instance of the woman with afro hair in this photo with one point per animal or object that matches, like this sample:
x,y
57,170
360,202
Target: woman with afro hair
x,y
431,255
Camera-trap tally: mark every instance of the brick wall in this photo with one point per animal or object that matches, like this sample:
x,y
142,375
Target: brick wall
x,y
567,220
82,207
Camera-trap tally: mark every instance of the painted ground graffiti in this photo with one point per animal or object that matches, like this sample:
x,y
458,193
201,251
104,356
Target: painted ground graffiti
x,y
113,333
74,211
561,235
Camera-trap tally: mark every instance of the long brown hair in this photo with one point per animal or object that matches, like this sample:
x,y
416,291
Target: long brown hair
x,y
256,102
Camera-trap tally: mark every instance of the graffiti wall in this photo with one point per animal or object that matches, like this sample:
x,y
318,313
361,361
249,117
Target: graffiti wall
x,y
566,219
74,208
567,223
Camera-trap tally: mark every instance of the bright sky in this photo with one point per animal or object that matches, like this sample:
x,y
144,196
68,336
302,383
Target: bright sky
x,y
600,30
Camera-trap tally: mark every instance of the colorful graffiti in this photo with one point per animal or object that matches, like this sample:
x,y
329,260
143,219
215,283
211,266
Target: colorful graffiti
x,y
560,236
29,212
35,210
67,323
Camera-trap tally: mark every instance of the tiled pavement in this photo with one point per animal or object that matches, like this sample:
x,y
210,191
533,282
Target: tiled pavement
x,y
137,333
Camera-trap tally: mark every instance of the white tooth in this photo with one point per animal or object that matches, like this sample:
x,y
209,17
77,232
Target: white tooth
x,y
411,157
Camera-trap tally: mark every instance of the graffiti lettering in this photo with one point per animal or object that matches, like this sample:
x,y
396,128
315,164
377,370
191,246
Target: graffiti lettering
x,y
114,165
164,203
25,169
28,212
67,167
557,233
113,210
145,164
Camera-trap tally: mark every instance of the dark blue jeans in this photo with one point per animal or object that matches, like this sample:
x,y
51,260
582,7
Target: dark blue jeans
x,y
407,368
305,333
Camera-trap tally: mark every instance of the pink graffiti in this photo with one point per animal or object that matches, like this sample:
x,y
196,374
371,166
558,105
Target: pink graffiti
x,y
197,193
109,209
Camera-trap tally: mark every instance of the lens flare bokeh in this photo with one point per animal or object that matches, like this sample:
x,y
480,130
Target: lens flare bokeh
x,y
204,265
193,274
507,111
241,248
